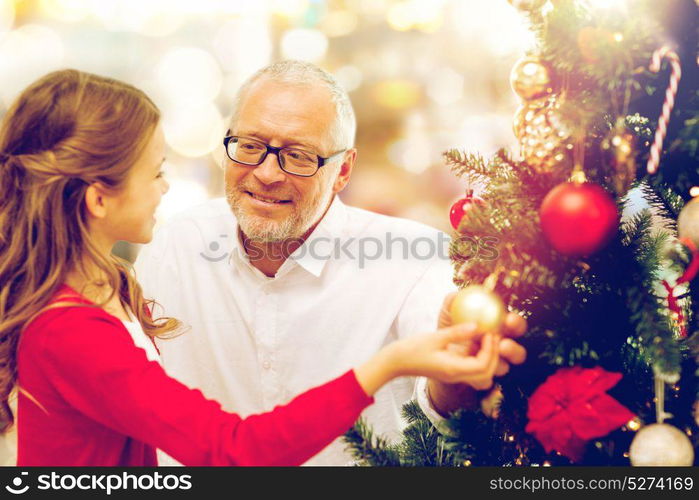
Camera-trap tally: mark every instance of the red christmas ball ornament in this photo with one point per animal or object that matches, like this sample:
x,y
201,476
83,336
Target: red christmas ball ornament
x,y
578,218
461,207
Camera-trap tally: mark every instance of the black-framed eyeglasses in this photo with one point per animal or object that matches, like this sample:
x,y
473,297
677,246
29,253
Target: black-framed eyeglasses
x,y
293,161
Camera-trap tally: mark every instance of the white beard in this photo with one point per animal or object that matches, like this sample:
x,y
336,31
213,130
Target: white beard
x,y
263,230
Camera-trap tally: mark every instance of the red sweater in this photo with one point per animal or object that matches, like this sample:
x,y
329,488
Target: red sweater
x,y
97,400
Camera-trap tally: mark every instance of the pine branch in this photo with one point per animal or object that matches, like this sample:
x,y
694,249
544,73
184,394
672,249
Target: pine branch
x,y
420,443
369,449
465,164
412,413
666,204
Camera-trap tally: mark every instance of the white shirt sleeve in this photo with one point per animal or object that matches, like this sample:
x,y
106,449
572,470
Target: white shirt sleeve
x,y
419,314
422,396
420,310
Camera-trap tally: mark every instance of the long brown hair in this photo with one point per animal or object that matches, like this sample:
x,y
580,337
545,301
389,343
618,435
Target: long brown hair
x,y
66,131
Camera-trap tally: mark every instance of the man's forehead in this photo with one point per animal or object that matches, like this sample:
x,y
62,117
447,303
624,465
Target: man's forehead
x,y
301,113
276,86
302,98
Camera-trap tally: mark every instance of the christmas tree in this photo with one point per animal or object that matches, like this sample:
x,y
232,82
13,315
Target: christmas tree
x,y
609,120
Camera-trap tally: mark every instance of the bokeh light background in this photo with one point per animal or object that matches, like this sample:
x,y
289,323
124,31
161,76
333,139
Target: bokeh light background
x,y
424,76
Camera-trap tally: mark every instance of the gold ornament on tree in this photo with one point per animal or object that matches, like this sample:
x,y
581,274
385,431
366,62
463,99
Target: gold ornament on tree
x,y
538,124
619,144
478,305
544,137
531,78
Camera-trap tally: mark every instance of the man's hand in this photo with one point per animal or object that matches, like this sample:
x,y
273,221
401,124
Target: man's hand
x,y
447,398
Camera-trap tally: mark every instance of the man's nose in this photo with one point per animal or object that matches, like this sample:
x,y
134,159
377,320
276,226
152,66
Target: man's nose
x,y
269,171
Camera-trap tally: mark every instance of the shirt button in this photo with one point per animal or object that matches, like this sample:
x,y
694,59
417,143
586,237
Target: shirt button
x,y
266,365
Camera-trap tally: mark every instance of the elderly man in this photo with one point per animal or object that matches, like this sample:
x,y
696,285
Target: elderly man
x,y
284,286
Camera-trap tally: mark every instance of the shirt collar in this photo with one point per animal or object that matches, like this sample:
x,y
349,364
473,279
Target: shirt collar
x,y
313,254
331,226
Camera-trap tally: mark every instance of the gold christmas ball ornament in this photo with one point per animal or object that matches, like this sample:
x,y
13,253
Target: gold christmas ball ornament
x,y
476,304
661,444
518,121
525,115
544,136
527,5
531,79
688,221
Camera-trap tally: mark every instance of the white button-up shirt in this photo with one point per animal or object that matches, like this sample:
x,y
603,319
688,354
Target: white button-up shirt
x,y
360,281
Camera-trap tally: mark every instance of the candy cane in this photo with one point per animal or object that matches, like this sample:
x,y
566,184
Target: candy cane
x,y
670,93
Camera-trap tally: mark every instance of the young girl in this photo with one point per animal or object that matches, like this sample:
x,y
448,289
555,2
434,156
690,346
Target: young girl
x,y
80,160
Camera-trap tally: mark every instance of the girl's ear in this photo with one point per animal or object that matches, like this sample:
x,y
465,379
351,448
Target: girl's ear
x,y
95,200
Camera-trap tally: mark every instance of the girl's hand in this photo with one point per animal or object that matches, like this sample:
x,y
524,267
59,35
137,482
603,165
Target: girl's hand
x,y
511,352
432,355
447,397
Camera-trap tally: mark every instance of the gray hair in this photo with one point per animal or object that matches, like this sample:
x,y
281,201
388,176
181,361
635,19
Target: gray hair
x,y
293,72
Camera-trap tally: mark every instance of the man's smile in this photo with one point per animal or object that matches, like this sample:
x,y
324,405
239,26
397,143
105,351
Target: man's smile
x,y
267,200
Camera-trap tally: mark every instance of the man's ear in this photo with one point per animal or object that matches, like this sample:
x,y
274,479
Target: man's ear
x,y
96,200
343,176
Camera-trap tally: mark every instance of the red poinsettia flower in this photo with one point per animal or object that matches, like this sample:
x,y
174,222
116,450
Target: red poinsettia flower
x,y
572,406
